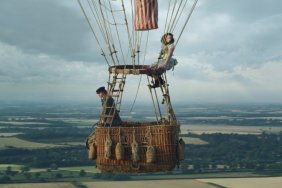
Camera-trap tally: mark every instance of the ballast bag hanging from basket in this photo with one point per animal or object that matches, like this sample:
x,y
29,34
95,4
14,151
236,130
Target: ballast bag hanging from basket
x,y
119,150
150,154
92,152
108,146
135,149
181,150
151,150
146,15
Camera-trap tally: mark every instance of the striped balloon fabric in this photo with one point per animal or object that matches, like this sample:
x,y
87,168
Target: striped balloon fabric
x,y
146,15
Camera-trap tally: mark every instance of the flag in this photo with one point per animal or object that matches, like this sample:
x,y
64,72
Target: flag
x,y
146,14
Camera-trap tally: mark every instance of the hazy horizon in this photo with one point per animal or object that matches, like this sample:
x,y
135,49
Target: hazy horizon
x,y
97,102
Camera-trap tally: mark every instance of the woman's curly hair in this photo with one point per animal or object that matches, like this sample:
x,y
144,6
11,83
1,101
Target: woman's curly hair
x,y
164,36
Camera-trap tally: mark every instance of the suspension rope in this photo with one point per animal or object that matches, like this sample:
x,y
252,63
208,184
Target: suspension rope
x,y
156,113
181,13
158,104
146,47
137,38
92,30
127,27
188,17
111,34
99,19
177,15
171,15
133,36
166,96
167,16
118,35
96,17
138,88
107,34
108,38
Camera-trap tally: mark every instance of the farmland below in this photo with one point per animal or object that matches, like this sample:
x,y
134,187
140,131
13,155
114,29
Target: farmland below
x,y
46,143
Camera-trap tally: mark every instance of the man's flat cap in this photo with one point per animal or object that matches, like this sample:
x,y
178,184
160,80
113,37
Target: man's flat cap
x,y
101,89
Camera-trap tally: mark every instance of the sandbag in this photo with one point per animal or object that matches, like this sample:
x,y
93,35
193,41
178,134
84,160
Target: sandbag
x,y
92,153
181,150
150,154
135,151
119,151
90,145
108,146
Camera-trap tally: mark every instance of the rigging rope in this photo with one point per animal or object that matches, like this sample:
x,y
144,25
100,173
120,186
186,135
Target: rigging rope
x,y
92,30
158,104
177,15
113,50
96,17
181,12
118,35
156,113
139,83
188,17
106,21
167,16
107,34
171,16
127,28
133,36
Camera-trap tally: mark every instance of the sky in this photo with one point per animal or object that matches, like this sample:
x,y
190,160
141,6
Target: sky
x,y
230,53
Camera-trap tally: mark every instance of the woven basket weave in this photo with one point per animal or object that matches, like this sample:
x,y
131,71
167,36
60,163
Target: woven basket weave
x,y
162,137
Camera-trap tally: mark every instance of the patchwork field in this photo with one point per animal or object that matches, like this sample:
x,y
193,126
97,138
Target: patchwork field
x,y
23,123
13,166
90,169
228,129
150,183
36,185
43,125
15,142
269,182
196,141
8,134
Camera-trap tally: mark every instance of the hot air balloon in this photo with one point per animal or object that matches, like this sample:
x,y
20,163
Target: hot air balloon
x,y
121,30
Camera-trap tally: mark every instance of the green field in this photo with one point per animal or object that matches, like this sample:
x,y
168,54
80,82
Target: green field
x,y
36,185
13,166
40,138
23,123
8,134
262,182
90,169
19,143
150,183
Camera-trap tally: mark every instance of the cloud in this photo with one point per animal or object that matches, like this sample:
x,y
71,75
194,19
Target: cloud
x,y
46,27
230,52
19,67
205,84
226,34
26,76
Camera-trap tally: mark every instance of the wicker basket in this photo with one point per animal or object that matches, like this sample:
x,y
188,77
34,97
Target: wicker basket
x,y
162,137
